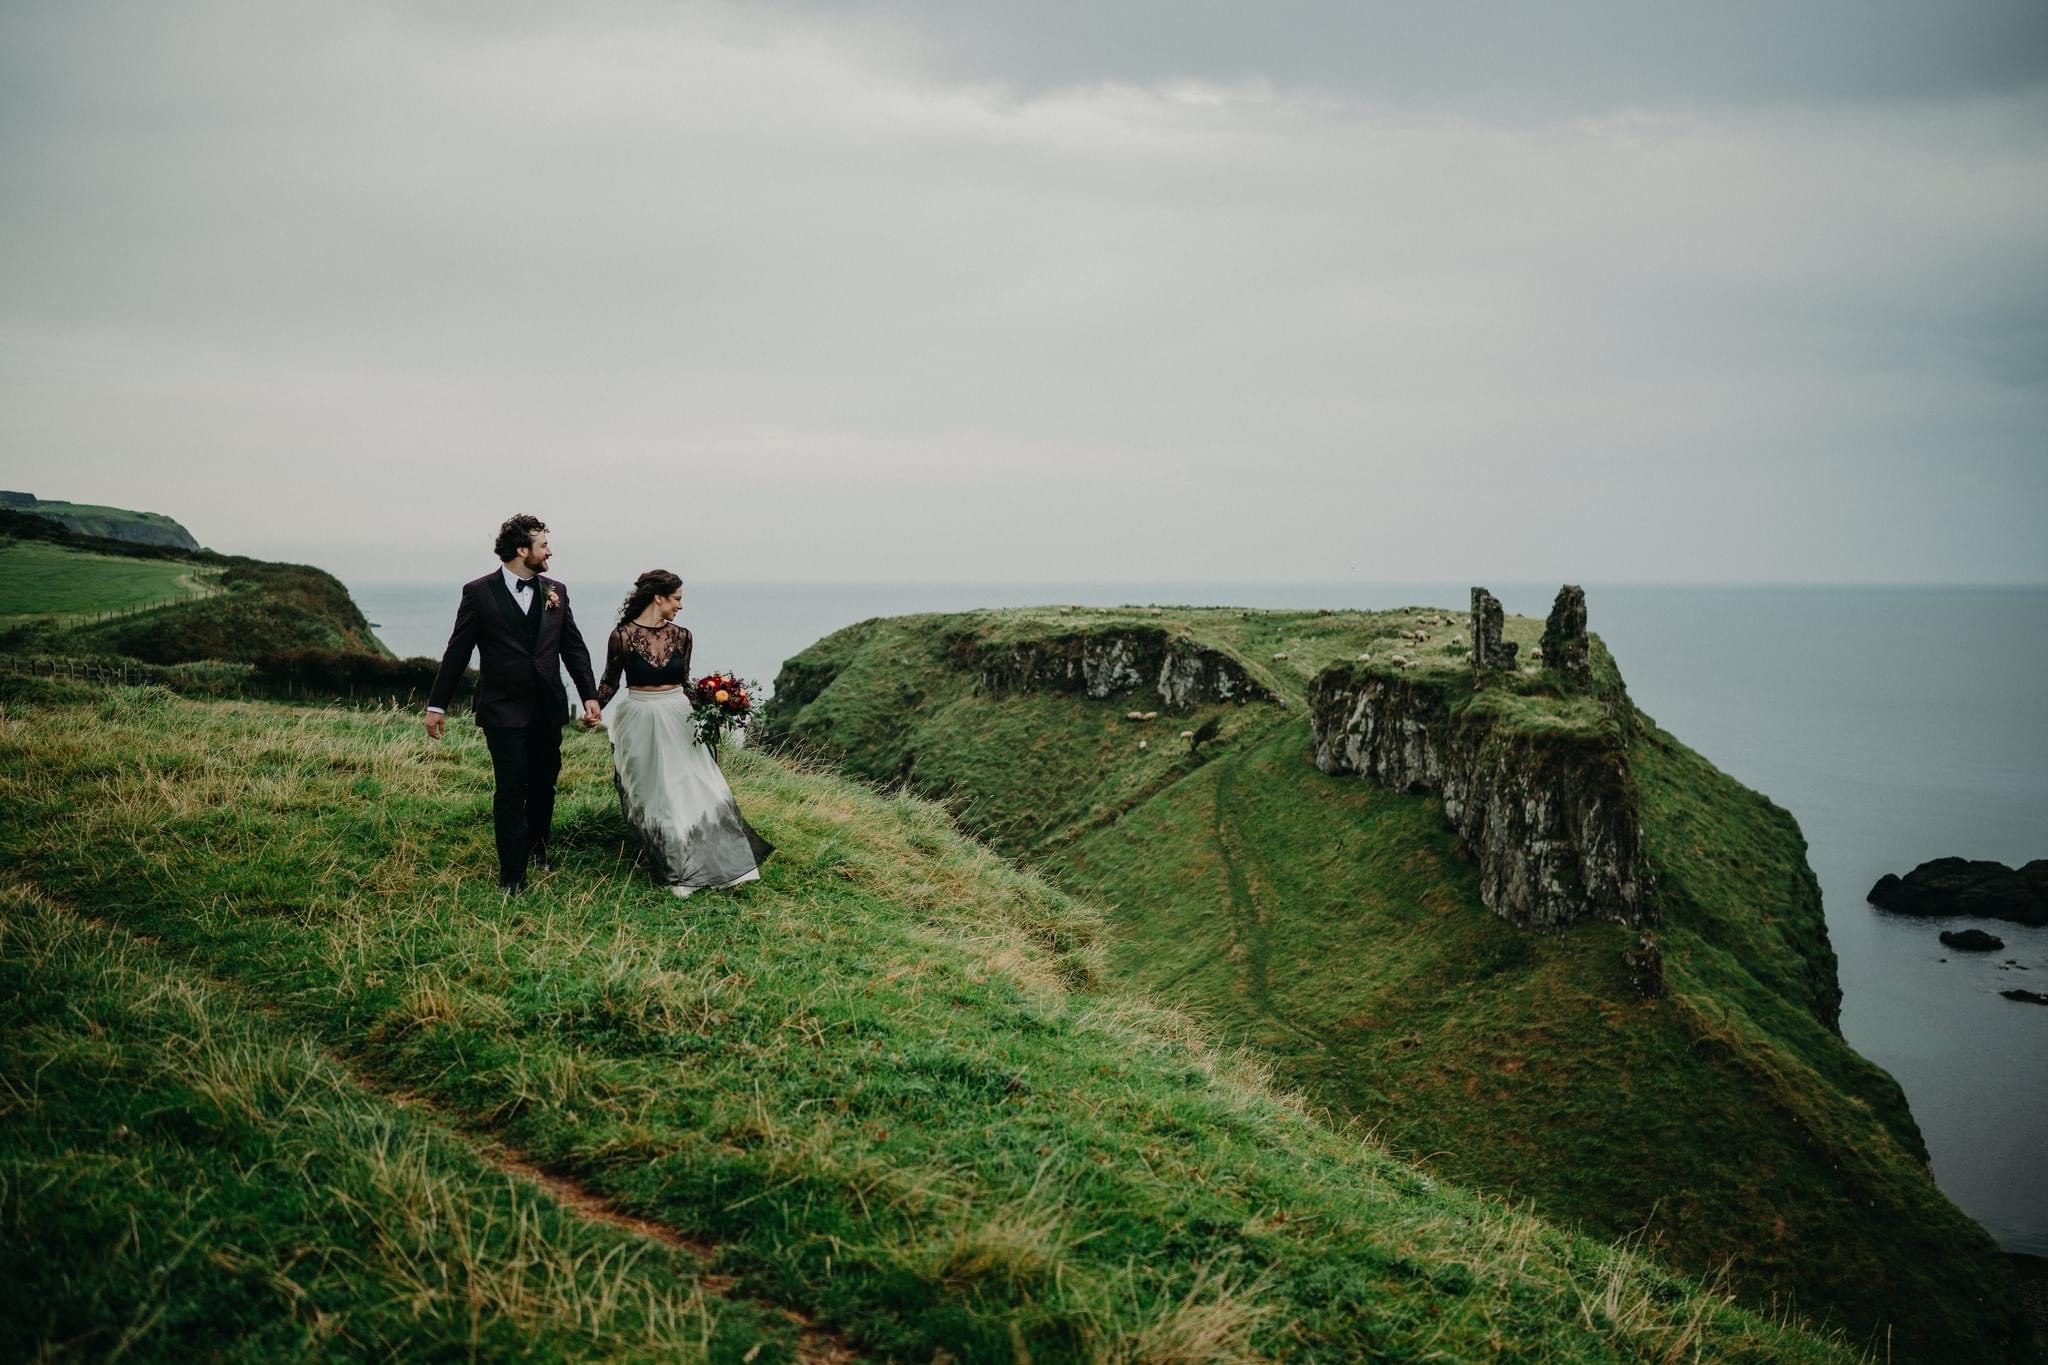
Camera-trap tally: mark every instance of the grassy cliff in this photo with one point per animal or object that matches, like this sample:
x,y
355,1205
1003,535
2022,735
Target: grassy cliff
x,y
1337,928
87,596
284,1076
110,523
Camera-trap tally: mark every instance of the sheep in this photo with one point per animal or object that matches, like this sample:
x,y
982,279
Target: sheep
x,y
1150,715
1144,744
1278,657
1134,715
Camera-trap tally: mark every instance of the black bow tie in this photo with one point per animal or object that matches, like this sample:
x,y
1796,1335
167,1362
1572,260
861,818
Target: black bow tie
x,y
523,585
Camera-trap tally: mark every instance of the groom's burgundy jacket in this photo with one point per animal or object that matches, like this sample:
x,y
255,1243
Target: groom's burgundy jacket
x,y
520,654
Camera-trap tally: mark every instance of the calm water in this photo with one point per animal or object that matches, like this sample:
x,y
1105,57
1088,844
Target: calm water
x,y
1897,725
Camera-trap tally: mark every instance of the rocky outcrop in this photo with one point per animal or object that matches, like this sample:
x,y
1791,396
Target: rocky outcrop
x,y
1181,672
1972,940
1490,654
1550,818
1960,886
1564,635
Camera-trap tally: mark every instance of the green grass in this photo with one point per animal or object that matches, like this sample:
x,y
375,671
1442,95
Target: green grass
x,y
885,1084
181,1177
249,609
50,580
1336,928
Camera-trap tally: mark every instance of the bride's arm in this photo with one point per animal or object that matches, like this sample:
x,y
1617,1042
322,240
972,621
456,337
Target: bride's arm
x,y
614,661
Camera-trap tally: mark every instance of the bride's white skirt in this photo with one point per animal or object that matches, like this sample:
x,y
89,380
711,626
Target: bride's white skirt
x,y
674,796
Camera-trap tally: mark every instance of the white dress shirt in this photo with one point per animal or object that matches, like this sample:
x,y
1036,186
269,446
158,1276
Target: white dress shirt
x,y
524,599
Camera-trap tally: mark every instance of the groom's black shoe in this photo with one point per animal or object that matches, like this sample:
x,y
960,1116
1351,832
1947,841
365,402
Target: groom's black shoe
x,y
512,888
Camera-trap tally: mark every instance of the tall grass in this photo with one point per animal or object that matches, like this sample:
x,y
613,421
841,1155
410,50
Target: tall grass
x,y
886,1082
182,1178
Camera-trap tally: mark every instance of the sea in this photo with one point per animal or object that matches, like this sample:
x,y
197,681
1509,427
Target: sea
x,y
1897,724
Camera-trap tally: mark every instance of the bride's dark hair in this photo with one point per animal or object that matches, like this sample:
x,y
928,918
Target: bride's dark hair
x,y
648,586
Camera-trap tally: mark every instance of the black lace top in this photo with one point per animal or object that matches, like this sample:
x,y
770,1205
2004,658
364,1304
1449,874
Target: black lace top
x,y
650,656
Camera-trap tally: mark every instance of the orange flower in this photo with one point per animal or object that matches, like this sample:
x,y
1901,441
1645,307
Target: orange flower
x,y
721,695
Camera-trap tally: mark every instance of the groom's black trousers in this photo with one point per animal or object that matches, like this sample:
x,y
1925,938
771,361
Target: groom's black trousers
x,y
525,759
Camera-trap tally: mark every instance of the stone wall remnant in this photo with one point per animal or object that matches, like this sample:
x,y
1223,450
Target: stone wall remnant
x,y
1564,635
1490,654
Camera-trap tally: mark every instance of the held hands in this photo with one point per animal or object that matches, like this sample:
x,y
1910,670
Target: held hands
x,y
436,722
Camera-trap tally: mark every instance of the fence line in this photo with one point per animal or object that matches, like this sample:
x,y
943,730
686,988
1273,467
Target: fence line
x,y
116,673
80,618
78,670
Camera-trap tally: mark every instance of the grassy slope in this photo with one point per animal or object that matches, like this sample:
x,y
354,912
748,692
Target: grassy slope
x,y
1032,772
264,608
152,528
49,580
181,1177
881,1081
1334,926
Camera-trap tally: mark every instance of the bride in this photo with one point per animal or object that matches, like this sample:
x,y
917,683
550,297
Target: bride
x,y
670,788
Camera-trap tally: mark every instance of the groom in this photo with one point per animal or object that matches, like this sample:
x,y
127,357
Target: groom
x,y
519,623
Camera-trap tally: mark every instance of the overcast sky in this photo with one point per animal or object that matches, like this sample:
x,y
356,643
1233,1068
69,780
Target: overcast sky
x,y
1032,290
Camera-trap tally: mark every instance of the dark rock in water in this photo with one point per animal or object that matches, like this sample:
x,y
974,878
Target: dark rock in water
x,y
1564,634
1959,886
2028,997
1972,940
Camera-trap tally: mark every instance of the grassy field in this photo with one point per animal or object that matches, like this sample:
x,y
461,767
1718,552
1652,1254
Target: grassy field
x,y
1336,928
51,580
232,610
885,1089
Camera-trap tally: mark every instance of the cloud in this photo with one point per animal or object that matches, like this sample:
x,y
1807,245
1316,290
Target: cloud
x,y
812,294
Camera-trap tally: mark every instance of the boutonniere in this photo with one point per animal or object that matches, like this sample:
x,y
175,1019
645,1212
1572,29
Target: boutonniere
x,y
554,600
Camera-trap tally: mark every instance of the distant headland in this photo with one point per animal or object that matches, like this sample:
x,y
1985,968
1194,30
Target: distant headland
x,y
111,523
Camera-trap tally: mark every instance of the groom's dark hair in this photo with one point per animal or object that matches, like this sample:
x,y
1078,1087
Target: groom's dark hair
x,y
517,533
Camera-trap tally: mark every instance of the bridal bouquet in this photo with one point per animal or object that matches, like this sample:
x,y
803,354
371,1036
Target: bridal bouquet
x,y
720,702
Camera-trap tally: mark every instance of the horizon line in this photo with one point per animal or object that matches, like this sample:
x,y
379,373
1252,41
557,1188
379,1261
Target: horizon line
x,y
969,583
